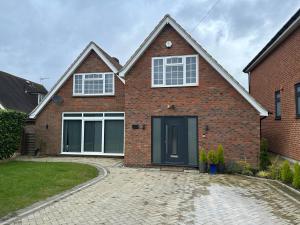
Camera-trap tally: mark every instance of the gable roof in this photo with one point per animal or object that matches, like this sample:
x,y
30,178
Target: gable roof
x,y
169,20
19,94
279,37
107,59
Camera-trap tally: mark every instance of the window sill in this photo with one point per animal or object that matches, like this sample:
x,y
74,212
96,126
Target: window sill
x,y
174,86
103,95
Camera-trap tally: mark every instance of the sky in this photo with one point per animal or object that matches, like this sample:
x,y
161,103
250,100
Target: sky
x,y
40,39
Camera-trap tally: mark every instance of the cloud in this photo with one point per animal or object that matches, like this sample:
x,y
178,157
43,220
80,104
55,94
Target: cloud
x,y
42,38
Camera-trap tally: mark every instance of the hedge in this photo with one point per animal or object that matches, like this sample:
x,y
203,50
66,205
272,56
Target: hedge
x,y
11,127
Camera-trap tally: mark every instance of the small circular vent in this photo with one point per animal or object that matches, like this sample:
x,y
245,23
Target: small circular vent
x,y
168,44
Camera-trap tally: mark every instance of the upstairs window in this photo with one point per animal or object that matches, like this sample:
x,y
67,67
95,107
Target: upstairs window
x,y
175,71
297,94
277,105
93,84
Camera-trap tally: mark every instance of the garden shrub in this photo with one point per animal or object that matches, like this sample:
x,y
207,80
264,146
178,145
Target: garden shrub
x,y
203,157
11,127
220,154
239,167
274,169
286,173
212,157
296,179
263,174
264,160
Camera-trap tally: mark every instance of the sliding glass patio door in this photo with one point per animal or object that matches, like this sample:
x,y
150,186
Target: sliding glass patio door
x,y
92,136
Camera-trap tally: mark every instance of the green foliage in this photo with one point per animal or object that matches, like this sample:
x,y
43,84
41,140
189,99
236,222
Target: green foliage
x,y
239,167
296,179
274,169
286,173
263,174
203,157
11,126
212,157
264,160
220,154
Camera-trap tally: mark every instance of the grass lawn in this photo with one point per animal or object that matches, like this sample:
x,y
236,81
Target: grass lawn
x,y
23,183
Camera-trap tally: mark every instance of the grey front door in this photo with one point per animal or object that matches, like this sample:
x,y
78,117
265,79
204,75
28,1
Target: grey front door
x,y
174,137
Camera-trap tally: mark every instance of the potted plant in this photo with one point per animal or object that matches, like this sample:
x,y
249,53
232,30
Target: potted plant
x,y
202,161
220,155
213,161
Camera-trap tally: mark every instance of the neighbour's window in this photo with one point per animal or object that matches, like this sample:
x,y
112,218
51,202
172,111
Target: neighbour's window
x,y
297,93
277,105
174,71
93,84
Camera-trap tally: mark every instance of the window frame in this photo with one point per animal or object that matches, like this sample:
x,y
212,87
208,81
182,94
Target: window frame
x,y
276,101
103,78
297,95
82,116
164,58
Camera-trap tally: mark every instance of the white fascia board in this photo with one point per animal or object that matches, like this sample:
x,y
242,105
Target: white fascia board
x,y
282,37
68,73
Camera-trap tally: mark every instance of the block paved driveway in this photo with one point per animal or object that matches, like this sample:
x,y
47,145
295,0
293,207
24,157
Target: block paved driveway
x,y
151,196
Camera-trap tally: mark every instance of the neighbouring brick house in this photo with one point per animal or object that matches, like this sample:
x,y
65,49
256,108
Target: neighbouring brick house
x,y
170,99
274,80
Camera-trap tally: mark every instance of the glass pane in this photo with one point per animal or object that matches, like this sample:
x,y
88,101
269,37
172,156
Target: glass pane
x,y
278,109
108,83
174,140
114,136
158,71
192,141
78,84
93,86
93,114
191,69
72,136
72,115
298,105
114,114
156,140
92,136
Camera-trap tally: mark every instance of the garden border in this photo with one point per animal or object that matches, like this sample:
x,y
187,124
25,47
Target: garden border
x,y
269,181
102,173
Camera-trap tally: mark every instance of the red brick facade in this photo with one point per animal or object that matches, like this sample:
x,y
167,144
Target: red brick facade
x,y
49,140
232,121
280,70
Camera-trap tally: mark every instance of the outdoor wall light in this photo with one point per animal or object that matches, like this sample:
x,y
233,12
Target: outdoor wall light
x,y
171,106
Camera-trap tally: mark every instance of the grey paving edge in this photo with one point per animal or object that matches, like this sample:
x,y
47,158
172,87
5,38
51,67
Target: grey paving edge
x,y
270,181
102,173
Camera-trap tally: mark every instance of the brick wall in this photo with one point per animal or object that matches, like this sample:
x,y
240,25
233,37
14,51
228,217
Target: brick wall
x,y
232,121
52,113
280,70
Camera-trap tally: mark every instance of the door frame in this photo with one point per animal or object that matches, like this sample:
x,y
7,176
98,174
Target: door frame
x,y
162,144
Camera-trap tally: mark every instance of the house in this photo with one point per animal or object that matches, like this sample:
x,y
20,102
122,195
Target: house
x,y
167,101
19,94
274,80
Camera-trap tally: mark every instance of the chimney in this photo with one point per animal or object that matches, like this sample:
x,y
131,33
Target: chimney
x,y
116,59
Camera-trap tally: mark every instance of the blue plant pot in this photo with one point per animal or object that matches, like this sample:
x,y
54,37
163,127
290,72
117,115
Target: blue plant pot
x,y
213,169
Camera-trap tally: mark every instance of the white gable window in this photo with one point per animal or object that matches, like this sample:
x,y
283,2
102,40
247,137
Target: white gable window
x,y
93,84
175,71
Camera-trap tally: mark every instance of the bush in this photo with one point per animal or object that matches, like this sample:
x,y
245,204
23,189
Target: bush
x,y
264,160
263,174
203,157
286,173
220,154
212,157
11,127
274,169
239,167
296,179
245,168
